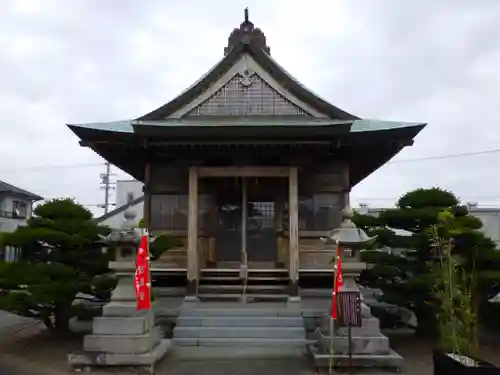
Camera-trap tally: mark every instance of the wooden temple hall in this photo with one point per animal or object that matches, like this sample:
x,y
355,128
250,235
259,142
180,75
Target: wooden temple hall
x,y
247,166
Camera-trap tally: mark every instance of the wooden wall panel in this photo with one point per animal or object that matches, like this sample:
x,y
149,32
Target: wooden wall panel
x,y
314,254
172,179
331,177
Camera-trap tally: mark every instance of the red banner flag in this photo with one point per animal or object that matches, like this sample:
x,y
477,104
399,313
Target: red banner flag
x,y
141,276
337,282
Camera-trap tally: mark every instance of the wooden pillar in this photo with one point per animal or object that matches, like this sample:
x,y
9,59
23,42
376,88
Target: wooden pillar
x,y
192,243
293,248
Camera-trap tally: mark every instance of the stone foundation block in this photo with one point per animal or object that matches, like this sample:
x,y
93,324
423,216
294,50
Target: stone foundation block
x,y
106,325
121,344
360,345
115,359
122,309
391,360
369,327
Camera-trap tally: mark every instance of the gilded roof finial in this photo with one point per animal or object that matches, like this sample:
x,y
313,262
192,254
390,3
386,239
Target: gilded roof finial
x,y
246,14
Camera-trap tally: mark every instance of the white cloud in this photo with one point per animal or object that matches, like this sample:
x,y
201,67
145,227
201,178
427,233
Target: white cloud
x,y
91,60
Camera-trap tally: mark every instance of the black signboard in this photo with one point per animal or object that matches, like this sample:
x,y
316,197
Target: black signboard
x,y
349,309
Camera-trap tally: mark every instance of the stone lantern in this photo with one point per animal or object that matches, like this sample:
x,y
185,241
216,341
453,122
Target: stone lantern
x,y
351,240
370,348
123,336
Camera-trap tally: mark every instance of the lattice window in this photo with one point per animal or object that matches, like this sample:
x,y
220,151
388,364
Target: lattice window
x,y
321,211
170,211
247,96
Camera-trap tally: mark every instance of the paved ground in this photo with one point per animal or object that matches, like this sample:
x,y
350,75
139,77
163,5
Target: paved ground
x,y
37,352
11,324
47,355
236,367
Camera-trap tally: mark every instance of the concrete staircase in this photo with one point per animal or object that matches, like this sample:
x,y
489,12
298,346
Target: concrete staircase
x,y
238,330
227,285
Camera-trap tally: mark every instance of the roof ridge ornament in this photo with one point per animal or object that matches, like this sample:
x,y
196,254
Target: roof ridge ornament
x,y
247,34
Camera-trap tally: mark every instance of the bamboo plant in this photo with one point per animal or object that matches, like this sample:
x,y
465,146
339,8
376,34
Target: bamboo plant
x,y
453,291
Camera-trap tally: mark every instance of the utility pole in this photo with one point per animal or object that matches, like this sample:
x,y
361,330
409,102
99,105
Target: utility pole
x,y
107,185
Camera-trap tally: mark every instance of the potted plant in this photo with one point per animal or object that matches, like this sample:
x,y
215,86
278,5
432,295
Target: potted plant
x,y
458,352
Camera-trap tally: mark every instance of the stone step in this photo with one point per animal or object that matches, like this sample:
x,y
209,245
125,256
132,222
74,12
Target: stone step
x,y
253,297
231,289
240,321
241,342
235,280
276,272
220,279
281,272
173,258
225,352
179,264
239,312
177,250
240,332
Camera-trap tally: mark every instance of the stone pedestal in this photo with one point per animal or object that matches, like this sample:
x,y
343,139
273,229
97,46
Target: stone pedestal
x,y
370,348
123,336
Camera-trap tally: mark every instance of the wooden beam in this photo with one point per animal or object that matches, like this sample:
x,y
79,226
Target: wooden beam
x,y
243,171
293,248
192,253
240,143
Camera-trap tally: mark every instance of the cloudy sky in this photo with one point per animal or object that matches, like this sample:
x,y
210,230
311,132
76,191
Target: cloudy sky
x,y
73,61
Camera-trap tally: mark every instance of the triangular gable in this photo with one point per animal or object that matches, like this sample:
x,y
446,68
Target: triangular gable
x,y
248,95
270,91
246,89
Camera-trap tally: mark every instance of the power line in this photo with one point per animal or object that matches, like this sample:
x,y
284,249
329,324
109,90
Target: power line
x,y
436,157
446,156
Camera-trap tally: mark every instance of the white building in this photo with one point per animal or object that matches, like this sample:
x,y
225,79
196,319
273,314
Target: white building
x,y
16,207
491,221
129,195
489,216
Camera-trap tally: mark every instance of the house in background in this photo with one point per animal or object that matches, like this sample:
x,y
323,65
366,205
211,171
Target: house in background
x,y
16,207
129,196
490,216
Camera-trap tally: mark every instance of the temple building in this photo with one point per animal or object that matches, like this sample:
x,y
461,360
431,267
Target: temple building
x,y
247,166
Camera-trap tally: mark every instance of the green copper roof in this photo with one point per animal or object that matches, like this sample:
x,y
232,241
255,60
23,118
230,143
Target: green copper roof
x,y
244,121
358,126
366,125
113,126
